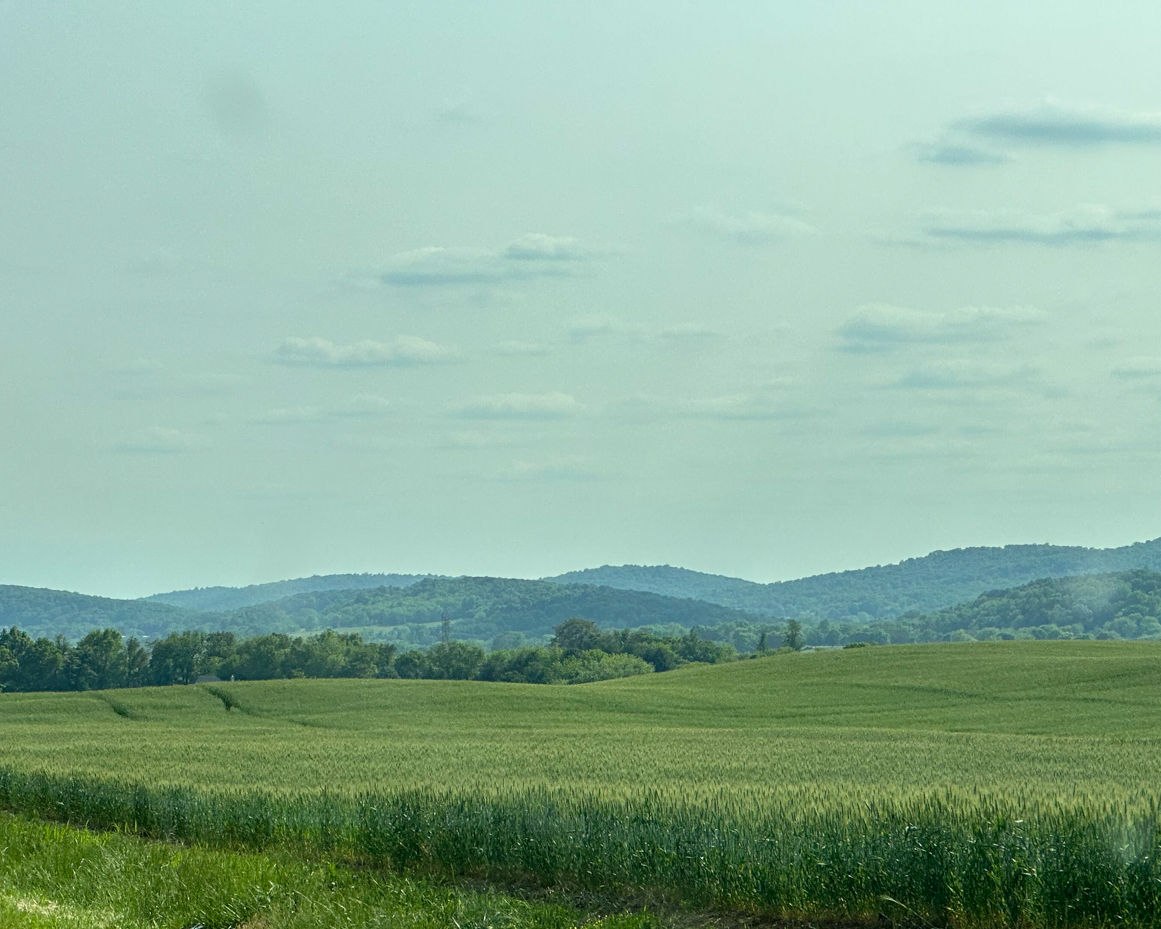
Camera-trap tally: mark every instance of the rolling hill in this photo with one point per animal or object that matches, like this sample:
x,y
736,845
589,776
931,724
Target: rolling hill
x,y
478,608
933,582
218,599
50,613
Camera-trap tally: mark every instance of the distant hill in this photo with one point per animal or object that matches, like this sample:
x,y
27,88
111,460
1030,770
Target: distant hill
x,y
1121,605
478,607
49,613
932,582
217,599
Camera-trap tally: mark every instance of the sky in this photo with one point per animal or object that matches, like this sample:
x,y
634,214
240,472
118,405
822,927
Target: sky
x,y
760,289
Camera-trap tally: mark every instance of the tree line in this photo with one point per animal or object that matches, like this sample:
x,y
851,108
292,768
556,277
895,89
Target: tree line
x,y
104,659
580,652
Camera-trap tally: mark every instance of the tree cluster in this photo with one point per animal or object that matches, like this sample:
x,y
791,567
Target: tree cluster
x,y
580,652
104,659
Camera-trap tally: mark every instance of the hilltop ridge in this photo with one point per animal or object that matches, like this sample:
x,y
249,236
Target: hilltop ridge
x,y
932,582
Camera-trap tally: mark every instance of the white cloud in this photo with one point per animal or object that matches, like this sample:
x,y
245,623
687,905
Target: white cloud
x,y
1087,224
160,440
521,406
402,351
881,327
532,255
749,228
536,246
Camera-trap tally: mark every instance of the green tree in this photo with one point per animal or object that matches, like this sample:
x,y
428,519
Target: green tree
x,y
98,661
136,664
9,667
178,658
456,661
579,635
793,635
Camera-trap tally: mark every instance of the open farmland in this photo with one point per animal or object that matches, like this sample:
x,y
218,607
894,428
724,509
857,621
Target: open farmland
x,y
977,784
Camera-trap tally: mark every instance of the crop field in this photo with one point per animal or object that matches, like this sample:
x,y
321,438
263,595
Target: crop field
x,y
984,784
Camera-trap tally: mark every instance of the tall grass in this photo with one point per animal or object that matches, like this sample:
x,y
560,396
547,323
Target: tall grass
x,y
943,860
63,878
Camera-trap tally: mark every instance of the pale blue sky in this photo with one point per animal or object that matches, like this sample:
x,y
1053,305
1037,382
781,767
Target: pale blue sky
x,y
518,288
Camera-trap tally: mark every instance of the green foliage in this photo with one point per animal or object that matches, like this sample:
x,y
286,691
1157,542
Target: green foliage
x,y
220,599
476,607
51,613
67,878
101,660
980,785
932,582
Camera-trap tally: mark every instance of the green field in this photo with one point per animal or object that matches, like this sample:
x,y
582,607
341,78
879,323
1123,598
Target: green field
x,y
1007,783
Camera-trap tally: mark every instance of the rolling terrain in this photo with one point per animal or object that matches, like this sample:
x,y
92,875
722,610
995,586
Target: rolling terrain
x,y
935,581
973,785
477,608
222,599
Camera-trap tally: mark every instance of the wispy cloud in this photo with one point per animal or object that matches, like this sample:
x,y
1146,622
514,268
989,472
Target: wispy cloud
x,y
751,227
688,332
589,328
557,469
291,416
516,347
1087,224
402,351
957,375
594,327
958,154
1140,368
1063,125
880,327
530,256
139,367
771,401
521,406
160,440
990,138
362,406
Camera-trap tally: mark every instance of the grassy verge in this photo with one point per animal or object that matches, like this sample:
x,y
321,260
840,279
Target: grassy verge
x,y
58,877
938,860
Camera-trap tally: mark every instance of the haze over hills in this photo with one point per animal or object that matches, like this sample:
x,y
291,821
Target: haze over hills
x,y
932,582
217,599
927,583
478,608
409,608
